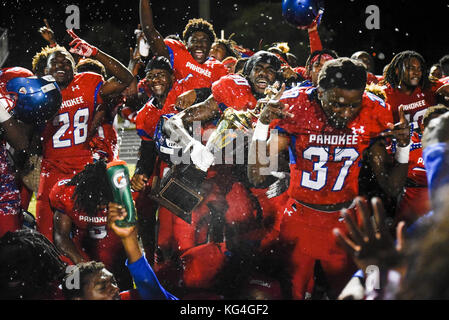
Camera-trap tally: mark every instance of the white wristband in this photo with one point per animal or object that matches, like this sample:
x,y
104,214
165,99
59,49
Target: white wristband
x,y
402,153
261,132
4,115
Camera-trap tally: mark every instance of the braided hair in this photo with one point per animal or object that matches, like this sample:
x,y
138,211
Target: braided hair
x,y
91,188
398,63
30,265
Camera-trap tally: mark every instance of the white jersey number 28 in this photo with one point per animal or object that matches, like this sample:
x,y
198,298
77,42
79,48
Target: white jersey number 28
x,y
80,124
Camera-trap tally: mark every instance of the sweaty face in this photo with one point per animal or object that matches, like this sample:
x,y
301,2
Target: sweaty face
x,y
60,66
262,75
341,106
101,286
412,72
160,81
199,45
218,51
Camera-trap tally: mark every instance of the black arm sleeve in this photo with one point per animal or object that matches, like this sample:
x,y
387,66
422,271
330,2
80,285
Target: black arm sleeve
x,y
147,158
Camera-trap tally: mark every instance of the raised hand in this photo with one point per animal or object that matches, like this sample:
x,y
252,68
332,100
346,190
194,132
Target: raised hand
x,y
47,33
117,212
273,108
81,47
138,182
400,130
372,243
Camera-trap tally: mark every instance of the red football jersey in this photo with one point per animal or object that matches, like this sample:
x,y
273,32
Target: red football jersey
x,y
233,91
90,234
66,134
416,168
414,105
185,66
148,116
415,198
324,161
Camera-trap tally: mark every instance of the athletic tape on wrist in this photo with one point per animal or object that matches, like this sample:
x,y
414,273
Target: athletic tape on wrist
x,y
402,153
261,131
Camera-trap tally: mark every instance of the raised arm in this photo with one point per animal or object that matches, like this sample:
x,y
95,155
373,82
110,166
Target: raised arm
x,y
121,76
154,38
141,271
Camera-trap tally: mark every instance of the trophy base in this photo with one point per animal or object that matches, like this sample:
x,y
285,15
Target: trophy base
x,y
180,191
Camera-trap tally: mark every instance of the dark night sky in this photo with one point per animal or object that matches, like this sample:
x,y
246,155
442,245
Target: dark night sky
x,y
419,26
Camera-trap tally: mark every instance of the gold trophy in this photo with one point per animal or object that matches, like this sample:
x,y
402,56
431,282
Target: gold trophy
x,y
180,190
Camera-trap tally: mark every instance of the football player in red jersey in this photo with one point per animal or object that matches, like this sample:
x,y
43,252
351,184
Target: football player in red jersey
x,y
326,129
414,201
164,90
189,59
407,84
65,145
80,221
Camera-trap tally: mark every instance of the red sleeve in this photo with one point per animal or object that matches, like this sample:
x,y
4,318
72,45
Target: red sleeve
x,y
96,81
233,91
436,85
314,40
60,197
380,111
219,70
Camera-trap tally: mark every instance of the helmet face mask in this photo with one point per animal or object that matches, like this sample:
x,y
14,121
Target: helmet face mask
x,y
166,148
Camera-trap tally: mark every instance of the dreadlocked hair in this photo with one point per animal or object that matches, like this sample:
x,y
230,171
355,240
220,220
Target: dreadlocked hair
x,y
91,188
199,25
30,259
84,270
39,62
398,63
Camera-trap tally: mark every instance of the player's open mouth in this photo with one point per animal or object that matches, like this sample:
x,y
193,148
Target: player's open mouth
x,y
199,54
157,88
262,83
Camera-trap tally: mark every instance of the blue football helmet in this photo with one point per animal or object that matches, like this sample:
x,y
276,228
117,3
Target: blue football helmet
x,y
166,148
301,13
37,100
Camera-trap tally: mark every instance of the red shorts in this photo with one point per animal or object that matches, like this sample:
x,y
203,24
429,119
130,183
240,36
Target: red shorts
x,y
307,235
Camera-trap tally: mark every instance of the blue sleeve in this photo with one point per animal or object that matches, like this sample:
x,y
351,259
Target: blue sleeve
x,y
146,281
437,165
